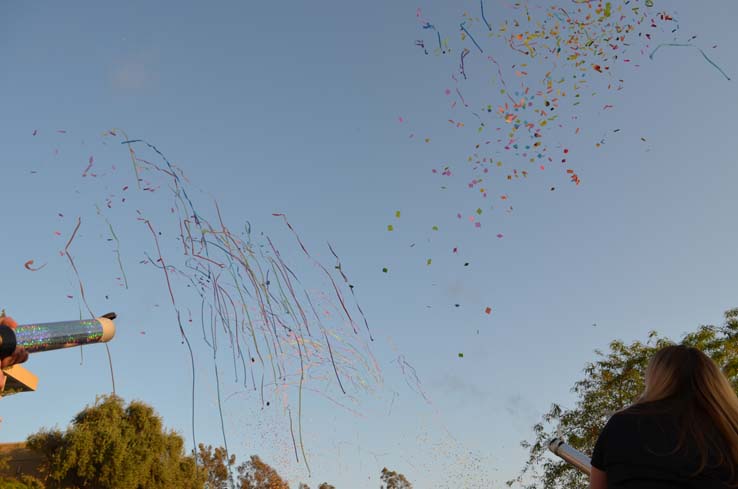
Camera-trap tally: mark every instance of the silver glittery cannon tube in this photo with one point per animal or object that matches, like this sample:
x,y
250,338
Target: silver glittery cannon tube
x,y
571,455
52,336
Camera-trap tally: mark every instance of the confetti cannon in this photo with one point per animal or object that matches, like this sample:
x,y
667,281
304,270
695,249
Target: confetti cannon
x,y
49,336
571,455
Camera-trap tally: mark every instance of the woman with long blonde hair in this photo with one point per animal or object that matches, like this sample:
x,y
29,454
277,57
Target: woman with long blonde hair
x,y
681,433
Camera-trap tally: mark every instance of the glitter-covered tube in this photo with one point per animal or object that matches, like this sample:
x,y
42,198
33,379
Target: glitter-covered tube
x,y
571,455
52,336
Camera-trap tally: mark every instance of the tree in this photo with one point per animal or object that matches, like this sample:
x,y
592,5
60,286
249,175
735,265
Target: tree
x,y
324,485
25,481
610,383
217,465
113,446
394,480
256,474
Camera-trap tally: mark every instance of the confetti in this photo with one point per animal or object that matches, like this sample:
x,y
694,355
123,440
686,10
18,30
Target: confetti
x,y
569,44
29,266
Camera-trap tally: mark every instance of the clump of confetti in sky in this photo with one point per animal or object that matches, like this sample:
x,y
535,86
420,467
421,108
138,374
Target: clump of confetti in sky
x,y
566,58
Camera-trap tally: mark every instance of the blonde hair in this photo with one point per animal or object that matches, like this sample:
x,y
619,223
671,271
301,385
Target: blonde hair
x,y
703,400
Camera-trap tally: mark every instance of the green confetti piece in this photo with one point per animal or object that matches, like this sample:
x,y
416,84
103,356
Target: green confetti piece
x,y
385,270
461,355
390,227
397,214
479,211
435,228
429,261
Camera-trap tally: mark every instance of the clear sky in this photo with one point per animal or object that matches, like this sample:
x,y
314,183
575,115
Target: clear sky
x,y
293,107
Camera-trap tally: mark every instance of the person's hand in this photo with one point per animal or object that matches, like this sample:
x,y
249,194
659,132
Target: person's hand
x,y
20,354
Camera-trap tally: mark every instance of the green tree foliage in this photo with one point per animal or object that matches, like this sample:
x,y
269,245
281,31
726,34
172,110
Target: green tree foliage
x,y
256,474
217,465
25,482
612,382
394,480
113,446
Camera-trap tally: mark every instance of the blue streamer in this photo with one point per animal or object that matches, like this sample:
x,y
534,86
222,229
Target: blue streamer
x,y
428,25
481,5
691,46
470,36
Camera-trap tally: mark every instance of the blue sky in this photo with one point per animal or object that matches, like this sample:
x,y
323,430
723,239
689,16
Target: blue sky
x,y
293,107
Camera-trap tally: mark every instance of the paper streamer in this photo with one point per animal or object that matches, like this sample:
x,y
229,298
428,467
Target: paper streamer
x,y
678,45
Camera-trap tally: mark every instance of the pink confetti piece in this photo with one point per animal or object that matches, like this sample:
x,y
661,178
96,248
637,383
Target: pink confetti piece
x,y
500,236
91,160
28,266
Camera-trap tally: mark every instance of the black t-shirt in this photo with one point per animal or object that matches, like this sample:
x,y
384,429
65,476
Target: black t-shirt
x,y
635,450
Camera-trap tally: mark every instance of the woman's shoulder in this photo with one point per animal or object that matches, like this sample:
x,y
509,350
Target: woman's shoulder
x,y
623,417
637,414
661,408
628,428
651,417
